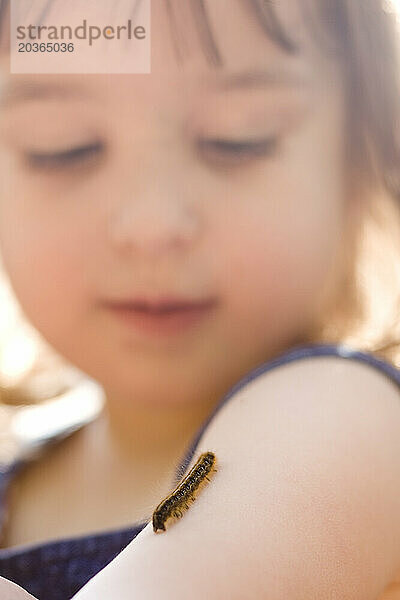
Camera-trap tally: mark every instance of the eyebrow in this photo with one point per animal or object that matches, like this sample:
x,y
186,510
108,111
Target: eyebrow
x,y
30,90
259,78
256,78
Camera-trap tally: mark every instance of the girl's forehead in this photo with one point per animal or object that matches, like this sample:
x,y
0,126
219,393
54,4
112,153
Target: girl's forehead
x,y
207,40
211,44
227,31
218,31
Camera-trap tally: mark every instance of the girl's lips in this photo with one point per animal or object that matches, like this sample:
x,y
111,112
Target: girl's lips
x,y
165,318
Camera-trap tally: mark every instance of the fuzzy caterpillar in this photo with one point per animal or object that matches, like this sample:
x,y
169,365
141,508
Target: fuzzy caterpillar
x,y
174,504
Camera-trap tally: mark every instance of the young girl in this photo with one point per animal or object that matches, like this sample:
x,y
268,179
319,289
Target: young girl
x,y
187,238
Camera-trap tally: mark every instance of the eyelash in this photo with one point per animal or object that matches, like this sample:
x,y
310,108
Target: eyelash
x,y
236,152
64,159
229,153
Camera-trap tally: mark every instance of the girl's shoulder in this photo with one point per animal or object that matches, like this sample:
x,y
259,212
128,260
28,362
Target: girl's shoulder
x,y
314,364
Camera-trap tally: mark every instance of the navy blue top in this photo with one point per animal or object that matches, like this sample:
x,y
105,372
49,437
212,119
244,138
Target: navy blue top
x,y
56,570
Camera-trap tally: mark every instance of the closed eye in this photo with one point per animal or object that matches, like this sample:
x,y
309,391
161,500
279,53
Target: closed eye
x,y
71,157
233,152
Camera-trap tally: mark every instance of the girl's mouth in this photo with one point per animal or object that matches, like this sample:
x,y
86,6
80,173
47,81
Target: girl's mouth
x,y
165,317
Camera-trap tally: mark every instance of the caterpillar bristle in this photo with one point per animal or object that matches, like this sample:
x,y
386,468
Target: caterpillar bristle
x,y
173,505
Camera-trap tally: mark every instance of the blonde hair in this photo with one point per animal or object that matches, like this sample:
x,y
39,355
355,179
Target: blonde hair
x,y
366,310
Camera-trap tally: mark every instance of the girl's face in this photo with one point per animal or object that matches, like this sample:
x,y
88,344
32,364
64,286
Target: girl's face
x,y
192,182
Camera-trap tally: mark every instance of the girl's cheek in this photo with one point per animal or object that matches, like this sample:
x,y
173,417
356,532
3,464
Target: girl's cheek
x,y
281,245
38,252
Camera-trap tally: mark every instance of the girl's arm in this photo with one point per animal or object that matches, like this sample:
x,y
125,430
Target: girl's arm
x,y
11,591
305,504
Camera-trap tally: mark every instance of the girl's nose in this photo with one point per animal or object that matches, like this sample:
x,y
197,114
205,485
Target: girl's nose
x,y
154,226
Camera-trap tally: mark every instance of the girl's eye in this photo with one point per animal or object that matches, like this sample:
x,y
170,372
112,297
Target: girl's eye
x,y
64,159
231,152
